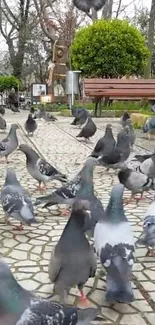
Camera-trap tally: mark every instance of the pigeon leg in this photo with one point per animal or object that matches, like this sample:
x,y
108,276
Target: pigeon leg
x,y
6,160
83,301
19,228
41,188
151,251
6,220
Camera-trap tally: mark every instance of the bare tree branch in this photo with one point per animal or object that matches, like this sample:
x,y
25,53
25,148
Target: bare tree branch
x,y
118,8
10,12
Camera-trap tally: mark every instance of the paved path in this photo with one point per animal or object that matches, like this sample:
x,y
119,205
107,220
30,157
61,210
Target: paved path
x,y
28,254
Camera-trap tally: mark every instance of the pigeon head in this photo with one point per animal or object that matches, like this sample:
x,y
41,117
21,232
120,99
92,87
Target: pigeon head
x,y
13,129
115,210
81,212
11,176
29,152
108,127
30,116
126,116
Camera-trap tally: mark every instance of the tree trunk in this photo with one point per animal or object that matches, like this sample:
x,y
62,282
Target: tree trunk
x,y
94,14
107,9
150,38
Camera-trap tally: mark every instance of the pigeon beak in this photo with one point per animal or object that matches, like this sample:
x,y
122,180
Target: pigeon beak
x,y
88,213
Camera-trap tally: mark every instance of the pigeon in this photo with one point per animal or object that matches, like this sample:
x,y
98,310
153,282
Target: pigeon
x,y
135,181
80,115
132,134
16,203
88,129
49,117
142,158
149,127
15,109
153,108
39,168
30,125
114,244
106,144
2,123
40,113
147,238
73,260
32,110
147,167
86,192
117,157
21,307
124,119
65,194
2,110
86,5
10,143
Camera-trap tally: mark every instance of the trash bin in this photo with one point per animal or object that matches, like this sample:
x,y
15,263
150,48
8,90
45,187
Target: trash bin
x,y
72,86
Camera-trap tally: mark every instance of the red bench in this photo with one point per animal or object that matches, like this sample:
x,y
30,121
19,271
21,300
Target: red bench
x,y
119,89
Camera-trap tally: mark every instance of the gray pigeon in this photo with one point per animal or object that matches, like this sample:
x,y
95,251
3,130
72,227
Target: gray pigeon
x,y
124,119
16,203
10,143
21,307
86,192
80,115
73,261
49,117
149,127
147,167
40,113
88,129
117,157
147,238
2,110
106,144
30,125
114,244
2,123
86,5
135,181
65,194
141,158
39,168
132,133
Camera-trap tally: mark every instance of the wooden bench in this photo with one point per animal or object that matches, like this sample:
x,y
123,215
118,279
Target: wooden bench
x,y
119,89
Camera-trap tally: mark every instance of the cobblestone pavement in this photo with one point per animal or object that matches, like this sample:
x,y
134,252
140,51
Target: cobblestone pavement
x,y
28,254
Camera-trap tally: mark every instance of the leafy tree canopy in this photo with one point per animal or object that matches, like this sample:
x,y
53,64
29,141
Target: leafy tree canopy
x,y
8,82
109,49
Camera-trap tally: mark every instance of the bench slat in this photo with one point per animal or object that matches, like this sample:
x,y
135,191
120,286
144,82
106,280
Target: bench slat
x,y
122,92
118,81
98,87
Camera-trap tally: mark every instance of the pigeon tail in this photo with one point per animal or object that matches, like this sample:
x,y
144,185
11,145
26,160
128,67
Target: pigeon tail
x,y
115,209
47,200
85,316
118,281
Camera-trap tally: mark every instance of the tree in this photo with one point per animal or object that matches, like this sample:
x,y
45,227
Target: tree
x,y
151,30
109,49
8,82
14,24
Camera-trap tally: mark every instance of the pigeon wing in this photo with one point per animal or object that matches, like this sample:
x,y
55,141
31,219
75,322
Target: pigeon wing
x,y
54,267
45,168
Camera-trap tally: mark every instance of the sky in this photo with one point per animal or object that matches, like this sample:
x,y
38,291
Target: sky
x,y
129,12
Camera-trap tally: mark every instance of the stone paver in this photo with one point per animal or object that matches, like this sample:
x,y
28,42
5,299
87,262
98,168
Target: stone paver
x,y
28,254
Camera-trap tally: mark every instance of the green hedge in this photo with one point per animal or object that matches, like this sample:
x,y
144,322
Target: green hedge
x,y
8,82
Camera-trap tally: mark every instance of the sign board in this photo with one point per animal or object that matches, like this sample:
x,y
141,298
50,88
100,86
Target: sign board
x,y
38,90
46,99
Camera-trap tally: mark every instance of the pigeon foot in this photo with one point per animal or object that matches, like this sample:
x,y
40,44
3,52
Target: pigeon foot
x,y
7,222
41,188
19,228
151,252
83,302
65,212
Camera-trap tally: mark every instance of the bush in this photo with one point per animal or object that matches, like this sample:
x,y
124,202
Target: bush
x,y
8,82
109,49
